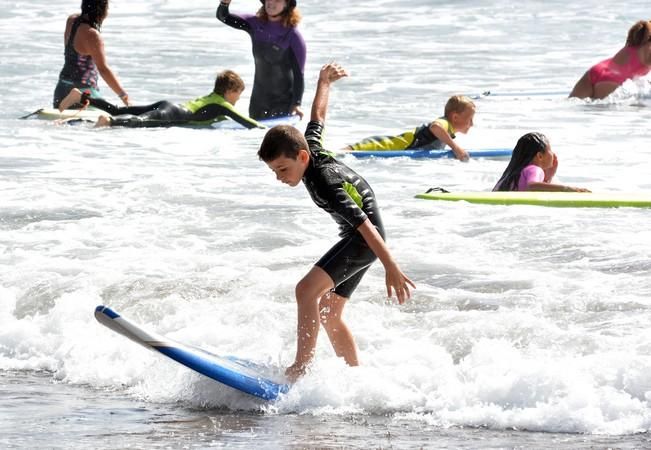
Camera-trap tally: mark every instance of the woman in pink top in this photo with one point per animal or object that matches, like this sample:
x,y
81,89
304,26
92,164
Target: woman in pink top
x,y
533,165
634,60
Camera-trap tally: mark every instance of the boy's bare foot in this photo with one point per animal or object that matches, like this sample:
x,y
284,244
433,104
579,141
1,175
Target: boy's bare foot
x,y
103,121
295,371
73,97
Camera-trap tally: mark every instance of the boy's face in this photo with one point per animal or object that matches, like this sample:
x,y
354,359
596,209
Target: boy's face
x,y
290,171
464,120
232,96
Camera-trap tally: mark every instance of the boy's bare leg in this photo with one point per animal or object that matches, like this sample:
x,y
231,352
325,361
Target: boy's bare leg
x,y
331,308
308,293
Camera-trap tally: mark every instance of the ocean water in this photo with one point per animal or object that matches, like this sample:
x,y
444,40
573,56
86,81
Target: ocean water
x,y
529,327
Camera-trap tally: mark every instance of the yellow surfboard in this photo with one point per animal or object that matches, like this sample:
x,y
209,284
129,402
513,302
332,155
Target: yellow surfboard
x,y
555,199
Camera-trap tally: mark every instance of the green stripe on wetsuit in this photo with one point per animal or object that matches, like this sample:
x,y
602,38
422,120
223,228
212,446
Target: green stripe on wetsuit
x,y
195,106
353,193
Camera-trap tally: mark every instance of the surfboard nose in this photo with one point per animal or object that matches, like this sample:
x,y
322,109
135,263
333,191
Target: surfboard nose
x,y
106,310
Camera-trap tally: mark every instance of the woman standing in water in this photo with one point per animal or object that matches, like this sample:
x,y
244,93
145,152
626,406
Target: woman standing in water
x,y
84,54
279,54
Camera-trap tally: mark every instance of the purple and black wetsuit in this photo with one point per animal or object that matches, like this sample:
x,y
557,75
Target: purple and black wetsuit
x,y
279,54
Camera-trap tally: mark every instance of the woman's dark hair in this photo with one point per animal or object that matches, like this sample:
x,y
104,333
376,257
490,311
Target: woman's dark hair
x,y
527,147
639,33
95,10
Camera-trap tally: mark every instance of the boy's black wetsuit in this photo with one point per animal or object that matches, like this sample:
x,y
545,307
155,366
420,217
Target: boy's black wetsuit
x,y
349,199
201,111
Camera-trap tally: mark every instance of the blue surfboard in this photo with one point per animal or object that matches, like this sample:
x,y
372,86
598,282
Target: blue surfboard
x,y
436,154
237,373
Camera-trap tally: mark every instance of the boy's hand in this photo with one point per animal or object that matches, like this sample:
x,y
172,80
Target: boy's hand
x,y
296,110
331,72
461,154
399,282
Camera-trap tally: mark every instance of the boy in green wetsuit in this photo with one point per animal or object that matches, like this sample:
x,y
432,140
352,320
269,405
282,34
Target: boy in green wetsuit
x,y
216,106
322,294
458,118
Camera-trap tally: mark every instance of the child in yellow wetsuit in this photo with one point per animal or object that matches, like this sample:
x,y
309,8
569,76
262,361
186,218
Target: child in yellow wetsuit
x,y
458,118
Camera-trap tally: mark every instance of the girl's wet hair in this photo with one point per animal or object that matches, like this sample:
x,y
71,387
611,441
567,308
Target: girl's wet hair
x,y
639,33
95,10
527,147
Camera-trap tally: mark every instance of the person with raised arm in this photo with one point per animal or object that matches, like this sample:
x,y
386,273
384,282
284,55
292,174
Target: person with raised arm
x,y
279,53
334,187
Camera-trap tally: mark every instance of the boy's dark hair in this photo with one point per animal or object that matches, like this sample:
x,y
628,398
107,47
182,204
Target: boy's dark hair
x,y
282,140
95,10
228,81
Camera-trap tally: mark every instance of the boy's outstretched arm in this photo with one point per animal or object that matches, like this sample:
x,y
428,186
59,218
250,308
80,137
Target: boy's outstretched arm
x,y
443,136
395,279
329,74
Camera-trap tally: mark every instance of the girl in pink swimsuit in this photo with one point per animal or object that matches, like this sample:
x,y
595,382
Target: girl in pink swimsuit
x,y
634,60
533,165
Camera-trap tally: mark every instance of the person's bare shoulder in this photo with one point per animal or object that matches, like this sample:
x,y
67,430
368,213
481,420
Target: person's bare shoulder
x,y
89,41
69,21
